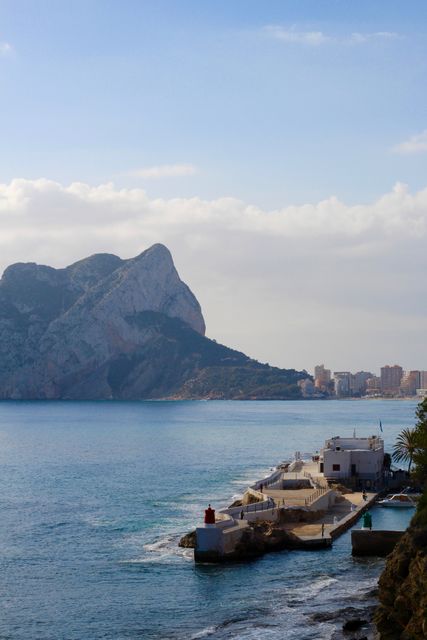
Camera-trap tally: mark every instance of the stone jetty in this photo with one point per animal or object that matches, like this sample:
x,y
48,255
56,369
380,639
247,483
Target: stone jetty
x,y
295,507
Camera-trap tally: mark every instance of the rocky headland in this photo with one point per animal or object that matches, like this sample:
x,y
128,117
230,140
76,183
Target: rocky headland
x,y
402,614
107,328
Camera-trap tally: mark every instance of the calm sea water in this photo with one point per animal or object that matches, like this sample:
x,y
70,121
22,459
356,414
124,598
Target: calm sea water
x,y
94,497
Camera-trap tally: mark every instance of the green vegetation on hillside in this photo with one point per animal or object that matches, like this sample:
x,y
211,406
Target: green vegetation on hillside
x,y
190,365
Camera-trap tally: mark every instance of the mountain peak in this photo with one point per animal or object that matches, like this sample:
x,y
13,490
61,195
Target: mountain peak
x,y
104,327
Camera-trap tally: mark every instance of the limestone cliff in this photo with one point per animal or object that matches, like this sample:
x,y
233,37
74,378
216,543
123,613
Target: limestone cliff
x,y
402,614
111,328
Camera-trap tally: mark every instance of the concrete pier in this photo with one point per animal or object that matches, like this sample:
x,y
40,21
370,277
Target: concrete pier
x,y
294,509
374,543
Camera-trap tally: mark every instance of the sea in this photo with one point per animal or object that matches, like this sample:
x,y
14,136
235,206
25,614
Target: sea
x,y
94,497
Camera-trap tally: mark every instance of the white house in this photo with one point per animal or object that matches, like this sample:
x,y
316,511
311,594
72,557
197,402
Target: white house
x,y
355,460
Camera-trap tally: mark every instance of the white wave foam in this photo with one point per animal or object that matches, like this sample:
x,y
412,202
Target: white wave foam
x,y
162,550
159,546
204,633
313,588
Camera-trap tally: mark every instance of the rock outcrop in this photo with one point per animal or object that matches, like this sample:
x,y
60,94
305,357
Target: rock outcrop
x,y
107,328
402,614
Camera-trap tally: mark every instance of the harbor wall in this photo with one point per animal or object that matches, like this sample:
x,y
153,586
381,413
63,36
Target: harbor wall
x,y
374,543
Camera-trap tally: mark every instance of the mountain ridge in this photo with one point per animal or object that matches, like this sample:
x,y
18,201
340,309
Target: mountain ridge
x,y
104,327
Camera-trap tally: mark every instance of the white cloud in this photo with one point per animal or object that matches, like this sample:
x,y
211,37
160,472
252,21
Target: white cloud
x,y
319,281
164,171
5,48
292,35
361,38
415,144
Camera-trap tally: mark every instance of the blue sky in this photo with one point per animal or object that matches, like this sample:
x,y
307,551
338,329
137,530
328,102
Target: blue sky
x,y
94,90
267,144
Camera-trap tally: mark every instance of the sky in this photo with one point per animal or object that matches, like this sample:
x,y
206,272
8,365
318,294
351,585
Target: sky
x,y
278,148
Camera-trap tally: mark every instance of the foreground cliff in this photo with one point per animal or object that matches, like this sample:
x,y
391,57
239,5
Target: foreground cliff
x,y
127,329
402,614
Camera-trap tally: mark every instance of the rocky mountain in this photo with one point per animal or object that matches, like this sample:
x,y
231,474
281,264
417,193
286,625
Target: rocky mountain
x,y
111,328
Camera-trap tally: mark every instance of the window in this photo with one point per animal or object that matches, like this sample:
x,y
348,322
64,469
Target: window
x,y
336,467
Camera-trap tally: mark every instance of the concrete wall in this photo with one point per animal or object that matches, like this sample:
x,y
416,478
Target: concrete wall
x,y
296,483
354,443
213,541
256,507
331,457
224,523
268,514
209,539
368,463
270,480
231,538
323,502
374,543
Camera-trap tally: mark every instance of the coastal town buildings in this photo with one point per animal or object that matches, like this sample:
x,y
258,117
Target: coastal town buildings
x,y
391,377
351,384
410,383
342,381
373,386
393,382
359,382
322,378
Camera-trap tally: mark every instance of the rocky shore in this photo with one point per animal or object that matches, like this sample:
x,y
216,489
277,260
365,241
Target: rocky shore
x,y
402,613
352,623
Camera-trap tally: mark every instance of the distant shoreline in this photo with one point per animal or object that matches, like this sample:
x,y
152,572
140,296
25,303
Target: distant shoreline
x,y
153,400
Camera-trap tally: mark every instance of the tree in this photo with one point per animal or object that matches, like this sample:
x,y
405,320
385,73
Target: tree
x,y
387,462
420,456
406,446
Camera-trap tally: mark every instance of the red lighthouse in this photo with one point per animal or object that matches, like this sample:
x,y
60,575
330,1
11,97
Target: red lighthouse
x,y
209,515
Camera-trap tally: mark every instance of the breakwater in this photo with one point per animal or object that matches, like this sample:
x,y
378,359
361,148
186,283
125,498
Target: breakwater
x,y
292,508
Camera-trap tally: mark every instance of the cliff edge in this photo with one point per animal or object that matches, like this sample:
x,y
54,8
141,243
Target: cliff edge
x,y
402,614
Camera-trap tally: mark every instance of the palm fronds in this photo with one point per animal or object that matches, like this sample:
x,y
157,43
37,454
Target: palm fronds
x,y
405,447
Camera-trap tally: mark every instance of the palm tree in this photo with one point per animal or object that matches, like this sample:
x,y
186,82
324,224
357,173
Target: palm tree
x,y
405,447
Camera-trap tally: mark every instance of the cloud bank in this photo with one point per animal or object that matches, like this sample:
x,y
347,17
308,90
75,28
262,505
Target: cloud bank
x,y
164,171
299,284
5,48
291,35
415,144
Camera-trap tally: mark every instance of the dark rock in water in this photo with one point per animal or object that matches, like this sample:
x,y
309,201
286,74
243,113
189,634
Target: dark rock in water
x,y
106,328
188,541
347,615
372,593
354,624
348,622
